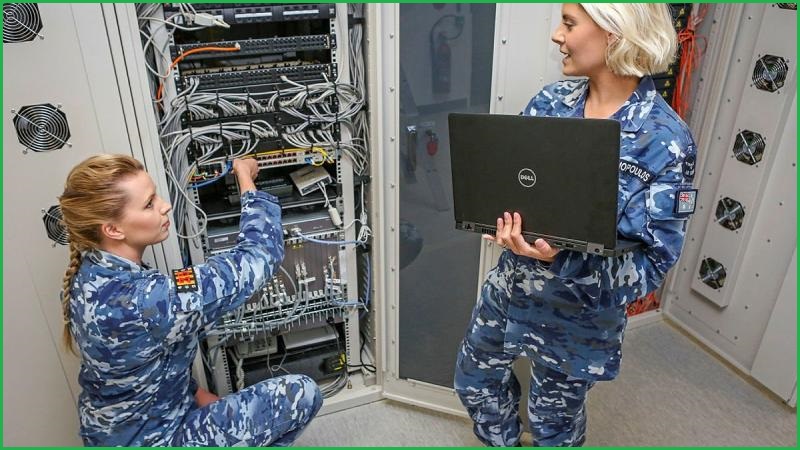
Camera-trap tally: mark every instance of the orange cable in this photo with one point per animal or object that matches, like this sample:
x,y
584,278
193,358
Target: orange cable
x,y
690,55
187,53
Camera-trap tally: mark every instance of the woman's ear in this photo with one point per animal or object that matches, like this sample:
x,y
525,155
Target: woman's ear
x,y
611,39
112,231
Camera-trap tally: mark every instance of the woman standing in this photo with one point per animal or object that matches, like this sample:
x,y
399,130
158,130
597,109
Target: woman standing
x,y
565,310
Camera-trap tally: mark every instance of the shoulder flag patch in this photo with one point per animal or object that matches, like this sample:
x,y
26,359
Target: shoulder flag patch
x,y
185,280
685,200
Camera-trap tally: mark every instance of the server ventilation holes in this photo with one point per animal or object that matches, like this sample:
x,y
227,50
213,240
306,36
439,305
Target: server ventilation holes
x,y
749,147
54,226
770,73
787,6
41,127
712,273
730,213
21,22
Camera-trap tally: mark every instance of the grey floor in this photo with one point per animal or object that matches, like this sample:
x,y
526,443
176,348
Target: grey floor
x,y
670,392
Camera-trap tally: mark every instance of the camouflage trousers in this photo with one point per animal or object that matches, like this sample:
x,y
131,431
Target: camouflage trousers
x,y
488,389
271,413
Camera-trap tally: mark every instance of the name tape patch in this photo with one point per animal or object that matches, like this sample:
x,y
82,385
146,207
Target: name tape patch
x,y
185,280
685,201
636,170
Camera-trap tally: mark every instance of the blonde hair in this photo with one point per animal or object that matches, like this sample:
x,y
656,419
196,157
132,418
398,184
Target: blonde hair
x,y
646,39
91,197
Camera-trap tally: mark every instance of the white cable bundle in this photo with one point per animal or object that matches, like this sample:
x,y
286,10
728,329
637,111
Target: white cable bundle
x,y
308,102
209,139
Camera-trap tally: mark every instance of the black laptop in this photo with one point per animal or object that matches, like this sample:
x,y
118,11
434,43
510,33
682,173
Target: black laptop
x,y
560,174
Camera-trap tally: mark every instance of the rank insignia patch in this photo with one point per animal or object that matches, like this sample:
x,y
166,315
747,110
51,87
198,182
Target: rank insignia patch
x,y
185,280
688,167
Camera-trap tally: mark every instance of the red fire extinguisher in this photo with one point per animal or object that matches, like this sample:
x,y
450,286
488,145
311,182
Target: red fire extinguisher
x,y
441,66
433,143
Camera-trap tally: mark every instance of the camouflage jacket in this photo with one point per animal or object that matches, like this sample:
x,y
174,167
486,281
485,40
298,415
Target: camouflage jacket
x,y
137,329
571,313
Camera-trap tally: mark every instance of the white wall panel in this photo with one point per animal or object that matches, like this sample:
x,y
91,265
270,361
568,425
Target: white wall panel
x,y
733,319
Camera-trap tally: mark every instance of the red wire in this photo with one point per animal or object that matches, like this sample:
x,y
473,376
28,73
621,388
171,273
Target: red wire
x,y
691,52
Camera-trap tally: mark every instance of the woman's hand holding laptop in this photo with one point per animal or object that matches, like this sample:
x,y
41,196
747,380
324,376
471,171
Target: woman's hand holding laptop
x,y
509,235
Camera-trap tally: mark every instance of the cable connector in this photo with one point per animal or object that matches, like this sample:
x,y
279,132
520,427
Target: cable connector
x,y
207,20
335,217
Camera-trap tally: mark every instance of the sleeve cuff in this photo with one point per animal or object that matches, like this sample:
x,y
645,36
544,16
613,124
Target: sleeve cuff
x,y
250,195
557,266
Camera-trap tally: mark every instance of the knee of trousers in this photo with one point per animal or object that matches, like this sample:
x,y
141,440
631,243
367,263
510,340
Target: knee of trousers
x,y
475,382
311,397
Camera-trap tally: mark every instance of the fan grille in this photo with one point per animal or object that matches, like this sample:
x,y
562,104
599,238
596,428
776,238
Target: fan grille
x,y
770,72
54,225
730,213
42,127
712,273
21,22
787,6
749,147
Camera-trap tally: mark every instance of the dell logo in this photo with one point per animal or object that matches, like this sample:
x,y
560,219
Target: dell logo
x,y
526,177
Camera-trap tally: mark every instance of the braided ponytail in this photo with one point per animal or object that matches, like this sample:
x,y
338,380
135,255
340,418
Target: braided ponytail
x,y
74,264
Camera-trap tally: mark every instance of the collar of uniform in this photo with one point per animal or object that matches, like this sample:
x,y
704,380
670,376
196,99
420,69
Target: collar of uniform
x,y
631,114
635,110
113,262
572,93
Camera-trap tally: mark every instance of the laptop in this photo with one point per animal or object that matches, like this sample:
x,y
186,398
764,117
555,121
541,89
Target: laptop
x,y
560,174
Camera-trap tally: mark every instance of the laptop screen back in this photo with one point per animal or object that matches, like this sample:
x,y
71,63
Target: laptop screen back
x,y
560,174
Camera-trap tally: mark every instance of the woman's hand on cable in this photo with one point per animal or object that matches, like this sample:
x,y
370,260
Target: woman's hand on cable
x,y
246,170
509,235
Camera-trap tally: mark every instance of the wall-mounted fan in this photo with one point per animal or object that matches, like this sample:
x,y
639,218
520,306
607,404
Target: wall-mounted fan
x,y
712,273
769,74
21,22
749,147
730,213
41,127
53,225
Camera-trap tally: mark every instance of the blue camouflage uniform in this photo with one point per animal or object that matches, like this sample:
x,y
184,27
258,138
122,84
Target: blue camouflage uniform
x,y
137,332
568,316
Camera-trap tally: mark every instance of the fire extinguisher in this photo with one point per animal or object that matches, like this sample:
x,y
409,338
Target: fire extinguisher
x,y
432,146
441,65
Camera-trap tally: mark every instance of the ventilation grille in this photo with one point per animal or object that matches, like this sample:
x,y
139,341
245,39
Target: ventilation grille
x,y
787,6
21,22
770,73
749,147
730,213
42,127
712,273
54,226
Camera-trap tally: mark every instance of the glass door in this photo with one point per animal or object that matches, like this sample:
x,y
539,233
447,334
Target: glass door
x,y
446,53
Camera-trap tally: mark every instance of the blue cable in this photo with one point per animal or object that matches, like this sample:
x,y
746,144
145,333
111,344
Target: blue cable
x,y
351,303
205,183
